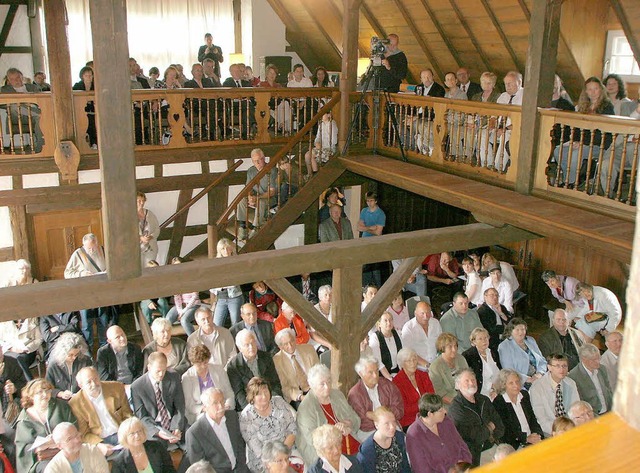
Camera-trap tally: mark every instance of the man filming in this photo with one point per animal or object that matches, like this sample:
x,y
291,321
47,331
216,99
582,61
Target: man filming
x,y
395,66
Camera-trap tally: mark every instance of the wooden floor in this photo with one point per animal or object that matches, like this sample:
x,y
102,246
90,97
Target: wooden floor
x,y
604,234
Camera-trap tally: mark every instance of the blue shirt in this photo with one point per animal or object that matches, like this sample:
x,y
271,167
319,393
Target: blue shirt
x,y
377,217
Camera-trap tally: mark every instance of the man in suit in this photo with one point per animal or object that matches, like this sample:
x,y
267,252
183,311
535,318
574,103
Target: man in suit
x,y
261,328
140,109
429,87
468,87
292,363
158,400
553,394
119,360
592,381
609,360
28,115
100,408
373,388
336,227
212,52
561,338
215,436
250,362
237,108
52,326
493,316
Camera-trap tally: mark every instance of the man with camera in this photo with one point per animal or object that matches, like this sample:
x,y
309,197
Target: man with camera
x,y
395,66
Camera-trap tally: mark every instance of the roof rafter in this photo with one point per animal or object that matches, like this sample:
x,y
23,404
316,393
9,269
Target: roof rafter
x,y
443,35
470,34
503,37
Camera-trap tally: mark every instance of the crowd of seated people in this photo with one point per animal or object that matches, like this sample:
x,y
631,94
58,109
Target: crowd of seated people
x,y
227,394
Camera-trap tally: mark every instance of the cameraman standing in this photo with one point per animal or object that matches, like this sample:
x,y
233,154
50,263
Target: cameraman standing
x,y
395,66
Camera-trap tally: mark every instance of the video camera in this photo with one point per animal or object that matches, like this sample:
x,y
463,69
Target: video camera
x,y
378,49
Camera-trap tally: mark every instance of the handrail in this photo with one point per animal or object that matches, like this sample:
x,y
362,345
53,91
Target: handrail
x,y
224,218
201,194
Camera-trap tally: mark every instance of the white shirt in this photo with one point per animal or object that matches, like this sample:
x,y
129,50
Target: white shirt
x,y
345,464
109,426
373,395
223,435
489,372
374,343
517,407
505,97
414,337
298,359
473,279
305,82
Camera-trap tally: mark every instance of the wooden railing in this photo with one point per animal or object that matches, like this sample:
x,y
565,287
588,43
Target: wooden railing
x,y
292,166
472,138
185,118
27,125
591,158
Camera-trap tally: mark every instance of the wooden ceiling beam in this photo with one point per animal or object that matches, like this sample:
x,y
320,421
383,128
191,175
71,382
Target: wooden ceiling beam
x,y
496,24
316,21
408,18
443,35
73,294
470,34
626,27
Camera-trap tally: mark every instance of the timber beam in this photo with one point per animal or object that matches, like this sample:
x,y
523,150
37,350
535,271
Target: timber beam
x,y
95,291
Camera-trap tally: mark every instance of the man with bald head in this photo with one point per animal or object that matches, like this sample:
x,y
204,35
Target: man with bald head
x,y
468,87
100,408
420,334
261,328
460,320
561,338
74,455
119,360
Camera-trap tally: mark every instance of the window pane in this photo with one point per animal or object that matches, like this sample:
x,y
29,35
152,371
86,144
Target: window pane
x,y
622,64
621,46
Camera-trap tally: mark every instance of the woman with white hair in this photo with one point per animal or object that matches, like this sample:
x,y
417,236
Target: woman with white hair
x,y
412,384
21,274
68,356
174,348
275,457
326,441
228,299
324,405
138,454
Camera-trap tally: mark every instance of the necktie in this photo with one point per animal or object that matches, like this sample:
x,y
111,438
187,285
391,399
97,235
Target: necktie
x,y
464,88
300,376
511,99
162,409
559,407
240,85
261,346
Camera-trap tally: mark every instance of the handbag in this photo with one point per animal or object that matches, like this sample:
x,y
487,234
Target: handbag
x,y
593,317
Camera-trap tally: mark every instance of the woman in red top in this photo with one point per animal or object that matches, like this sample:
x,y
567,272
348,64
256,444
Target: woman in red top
x,y
412,384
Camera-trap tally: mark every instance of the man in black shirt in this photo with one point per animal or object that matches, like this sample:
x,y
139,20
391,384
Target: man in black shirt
x,y
211,51
394,66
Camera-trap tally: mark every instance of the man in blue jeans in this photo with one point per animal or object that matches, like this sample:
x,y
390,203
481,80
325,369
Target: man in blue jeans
x,y
371,223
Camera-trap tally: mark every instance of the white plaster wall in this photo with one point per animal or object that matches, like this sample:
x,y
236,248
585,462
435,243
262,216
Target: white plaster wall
x,y
19,35
6,235
267,33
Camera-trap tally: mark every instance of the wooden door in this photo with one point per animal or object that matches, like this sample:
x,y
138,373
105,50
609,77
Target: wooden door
x,y
57,235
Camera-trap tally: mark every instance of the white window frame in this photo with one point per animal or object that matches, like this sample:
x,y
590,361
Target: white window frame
x,y
611,36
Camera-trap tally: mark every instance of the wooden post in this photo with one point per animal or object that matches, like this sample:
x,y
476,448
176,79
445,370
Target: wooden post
x,y
538,86
349,75
55,12
37,41
115,137
237,26
346,300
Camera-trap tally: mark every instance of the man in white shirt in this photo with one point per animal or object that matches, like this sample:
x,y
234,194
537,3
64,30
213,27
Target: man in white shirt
x,y
609,360
215,436
512,96
299,80
292,364
100,407
420,334
592,381
553,394
505,291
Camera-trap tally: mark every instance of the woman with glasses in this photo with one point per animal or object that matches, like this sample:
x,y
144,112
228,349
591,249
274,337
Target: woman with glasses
x,y
138,455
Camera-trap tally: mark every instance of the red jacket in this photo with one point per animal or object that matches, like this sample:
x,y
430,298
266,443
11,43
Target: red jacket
x,y
410,396
389,396
302,334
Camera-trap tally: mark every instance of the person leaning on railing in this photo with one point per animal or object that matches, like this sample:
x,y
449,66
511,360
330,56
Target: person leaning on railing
x,y
86,83
593,101
23,118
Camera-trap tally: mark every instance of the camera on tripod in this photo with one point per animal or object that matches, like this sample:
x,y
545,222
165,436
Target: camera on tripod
x,y
378,49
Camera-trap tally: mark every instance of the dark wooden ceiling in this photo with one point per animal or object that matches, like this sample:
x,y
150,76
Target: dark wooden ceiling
x,y
483,35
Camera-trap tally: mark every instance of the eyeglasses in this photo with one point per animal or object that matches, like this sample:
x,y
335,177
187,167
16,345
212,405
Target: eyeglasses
x,y
560,365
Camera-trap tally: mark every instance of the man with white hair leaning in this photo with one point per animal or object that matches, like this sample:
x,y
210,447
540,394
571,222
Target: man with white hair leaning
x,y
609,360
74,455
512,96
581,412
249,363
371,392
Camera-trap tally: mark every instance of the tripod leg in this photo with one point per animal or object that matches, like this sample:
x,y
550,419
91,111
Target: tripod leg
x,y
394,124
